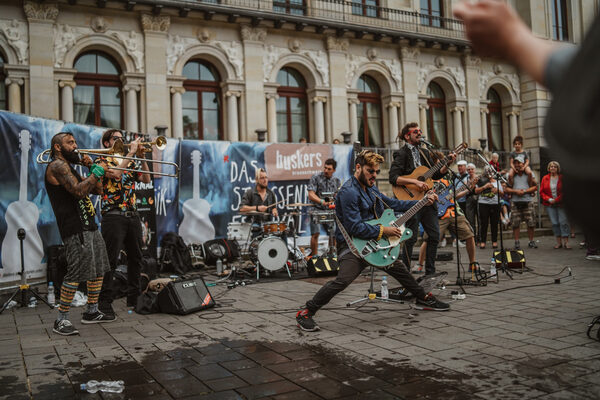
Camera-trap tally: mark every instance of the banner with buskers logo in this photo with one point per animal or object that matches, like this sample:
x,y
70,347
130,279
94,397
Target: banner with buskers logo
x,y
286,162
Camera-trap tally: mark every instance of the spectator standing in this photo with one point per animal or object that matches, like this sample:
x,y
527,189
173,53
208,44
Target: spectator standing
x,y
489,211
522,187
551,194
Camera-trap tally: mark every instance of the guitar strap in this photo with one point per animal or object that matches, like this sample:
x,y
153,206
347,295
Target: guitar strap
x,y
425,158
348,240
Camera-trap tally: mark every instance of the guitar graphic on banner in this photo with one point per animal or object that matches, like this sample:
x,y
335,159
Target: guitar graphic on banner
x,y
22,214
196,226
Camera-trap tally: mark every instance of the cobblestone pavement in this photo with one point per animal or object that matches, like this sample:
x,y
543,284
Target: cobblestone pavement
x,y
521,338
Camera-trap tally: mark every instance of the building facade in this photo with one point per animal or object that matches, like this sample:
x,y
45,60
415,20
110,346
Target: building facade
x,y
313,69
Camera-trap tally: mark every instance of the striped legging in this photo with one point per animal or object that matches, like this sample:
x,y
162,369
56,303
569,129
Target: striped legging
x,y
68,289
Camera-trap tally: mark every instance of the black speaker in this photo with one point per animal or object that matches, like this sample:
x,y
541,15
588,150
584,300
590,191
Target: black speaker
x,y
224,249
184,297
318,266
514,258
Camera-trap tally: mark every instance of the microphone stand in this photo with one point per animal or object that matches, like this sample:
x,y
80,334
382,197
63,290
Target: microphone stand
x,y
493,173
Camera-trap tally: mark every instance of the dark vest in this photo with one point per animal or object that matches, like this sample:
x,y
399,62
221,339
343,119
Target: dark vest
x,y
73,215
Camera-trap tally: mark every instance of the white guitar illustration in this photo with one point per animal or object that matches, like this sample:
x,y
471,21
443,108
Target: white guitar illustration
x,y
22,214
196,226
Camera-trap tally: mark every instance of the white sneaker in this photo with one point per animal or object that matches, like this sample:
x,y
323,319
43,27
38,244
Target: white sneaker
x,y
442,243
461,243
417,269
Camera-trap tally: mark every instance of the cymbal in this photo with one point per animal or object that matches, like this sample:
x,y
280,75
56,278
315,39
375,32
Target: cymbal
x,y
299,205
254,213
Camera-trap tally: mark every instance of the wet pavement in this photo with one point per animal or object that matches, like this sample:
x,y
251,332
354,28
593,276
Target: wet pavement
x,y
521,338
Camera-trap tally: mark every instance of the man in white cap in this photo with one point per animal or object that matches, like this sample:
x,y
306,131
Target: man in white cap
x,y
460,183
522,187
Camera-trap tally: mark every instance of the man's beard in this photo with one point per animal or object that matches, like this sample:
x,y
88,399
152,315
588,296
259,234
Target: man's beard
x,y
260,186
363,179
70,156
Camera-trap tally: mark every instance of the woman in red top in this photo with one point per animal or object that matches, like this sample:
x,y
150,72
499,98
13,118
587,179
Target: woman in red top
x,y
551,193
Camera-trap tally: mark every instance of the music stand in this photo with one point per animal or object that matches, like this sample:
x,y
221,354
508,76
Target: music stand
x,y
24,287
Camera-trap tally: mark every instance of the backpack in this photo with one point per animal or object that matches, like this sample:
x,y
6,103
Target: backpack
x,y
174,254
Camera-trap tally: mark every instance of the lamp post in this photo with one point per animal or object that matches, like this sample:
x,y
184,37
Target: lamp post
x,y
482,143
161,130
347,137
261,134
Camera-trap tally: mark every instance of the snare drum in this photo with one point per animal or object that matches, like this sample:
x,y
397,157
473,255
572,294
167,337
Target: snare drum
x,y
274,228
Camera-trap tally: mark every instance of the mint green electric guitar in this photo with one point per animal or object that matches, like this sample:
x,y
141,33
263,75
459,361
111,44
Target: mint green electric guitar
x,y
383,252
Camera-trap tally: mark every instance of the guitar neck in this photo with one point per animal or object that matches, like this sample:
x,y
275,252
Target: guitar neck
x,y
23,176
439,165
410,213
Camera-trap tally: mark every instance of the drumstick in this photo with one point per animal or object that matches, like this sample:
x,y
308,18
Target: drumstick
x,y
274,204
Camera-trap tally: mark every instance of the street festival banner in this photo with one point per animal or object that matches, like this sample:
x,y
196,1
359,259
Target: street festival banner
x,y
199,205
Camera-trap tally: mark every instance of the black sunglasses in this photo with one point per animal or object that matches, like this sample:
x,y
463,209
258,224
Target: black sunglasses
x,y
373,171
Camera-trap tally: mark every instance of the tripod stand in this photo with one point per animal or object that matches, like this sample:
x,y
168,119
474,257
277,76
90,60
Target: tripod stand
x,y
371,295
24,288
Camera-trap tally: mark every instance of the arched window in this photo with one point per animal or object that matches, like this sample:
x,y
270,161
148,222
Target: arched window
x,y
97,97
494,121
201,102
436,116
432,10
3,96
292,117
368,111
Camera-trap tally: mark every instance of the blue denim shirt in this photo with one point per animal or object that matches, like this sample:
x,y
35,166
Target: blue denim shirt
x,y
354,206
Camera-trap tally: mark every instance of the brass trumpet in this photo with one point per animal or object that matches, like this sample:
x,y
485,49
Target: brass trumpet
x,y
146,147
118,149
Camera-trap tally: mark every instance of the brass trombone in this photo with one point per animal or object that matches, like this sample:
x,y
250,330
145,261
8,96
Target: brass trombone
x,y
118,149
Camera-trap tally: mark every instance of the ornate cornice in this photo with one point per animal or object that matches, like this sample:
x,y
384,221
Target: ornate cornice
x,y
40,11
337,44
155,23
253,34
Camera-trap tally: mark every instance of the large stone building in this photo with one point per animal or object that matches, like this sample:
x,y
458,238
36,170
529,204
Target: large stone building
x,y
222,69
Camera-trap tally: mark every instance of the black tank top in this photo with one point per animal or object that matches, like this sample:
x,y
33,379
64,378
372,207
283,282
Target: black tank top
x,y
73,215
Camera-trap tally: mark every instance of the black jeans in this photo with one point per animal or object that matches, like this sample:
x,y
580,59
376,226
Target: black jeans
x,y
350,268
429,219
122,233
488,213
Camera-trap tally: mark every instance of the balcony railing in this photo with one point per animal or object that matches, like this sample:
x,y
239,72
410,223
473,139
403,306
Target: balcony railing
x,y
342,14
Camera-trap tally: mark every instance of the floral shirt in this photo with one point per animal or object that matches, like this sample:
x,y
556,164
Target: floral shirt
x,y
119,193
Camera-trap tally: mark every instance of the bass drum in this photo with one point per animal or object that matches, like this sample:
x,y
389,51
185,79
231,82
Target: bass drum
x,y
272,253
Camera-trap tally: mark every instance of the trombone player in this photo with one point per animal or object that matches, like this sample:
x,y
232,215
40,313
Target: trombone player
x,y
121,224
85,250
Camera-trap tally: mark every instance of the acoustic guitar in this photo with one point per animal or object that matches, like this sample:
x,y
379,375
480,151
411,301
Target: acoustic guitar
x,y
423,174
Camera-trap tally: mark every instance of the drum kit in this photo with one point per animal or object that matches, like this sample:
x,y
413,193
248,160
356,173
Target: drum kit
x,y
266,244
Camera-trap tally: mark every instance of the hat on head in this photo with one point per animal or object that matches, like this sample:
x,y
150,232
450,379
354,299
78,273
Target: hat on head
x,y
461,162
520,158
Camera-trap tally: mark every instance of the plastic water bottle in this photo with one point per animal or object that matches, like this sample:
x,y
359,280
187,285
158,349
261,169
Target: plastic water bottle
x,y
219,266
103,386
51,299
493,267
384,288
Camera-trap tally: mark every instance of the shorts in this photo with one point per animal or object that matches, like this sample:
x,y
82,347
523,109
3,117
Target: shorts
x,y
88,260
316,228
522,212
464,228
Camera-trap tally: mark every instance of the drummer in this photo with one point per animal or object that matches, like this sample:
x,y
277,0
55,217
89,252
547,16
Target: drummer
x,y
321,191
258,199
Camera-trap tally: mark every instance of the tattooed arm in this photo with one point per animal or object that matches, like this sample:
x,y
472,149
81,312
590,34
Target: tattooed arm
x,y
59,173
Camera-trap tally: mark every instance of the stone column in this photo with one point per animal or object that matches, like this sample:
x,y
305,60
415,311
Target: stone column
x,y
253,40
423,117
177,111
41,18
457,121
471,116
393,122
131,107
272,117
483,112
232,116
337,49
156,47
14,93
66,99
319,122
512,124
353,118
410,80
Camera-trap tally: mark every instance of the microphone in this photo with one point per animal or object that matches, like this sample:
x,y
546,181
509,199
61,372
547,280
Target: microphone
x,y
425,142
473,150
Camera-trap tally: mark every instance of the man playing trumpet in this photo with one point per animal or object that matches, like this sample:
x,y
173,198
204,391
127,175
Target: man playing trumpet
x,y
75,215
121,224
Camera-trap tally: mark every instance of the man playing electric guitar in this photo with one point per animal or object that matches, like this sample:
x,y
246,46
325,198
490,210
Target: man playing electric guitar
x,y
359,201
406,160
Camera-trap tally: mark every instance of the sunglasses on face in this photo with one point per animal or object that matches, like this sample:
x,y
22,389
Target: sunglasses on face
x,y
417,132
373,171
